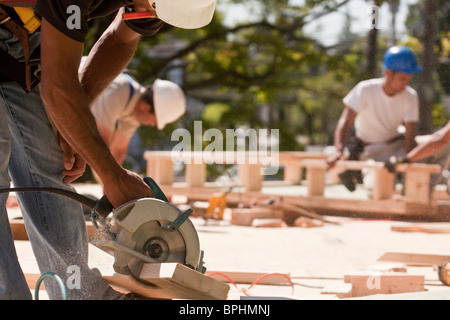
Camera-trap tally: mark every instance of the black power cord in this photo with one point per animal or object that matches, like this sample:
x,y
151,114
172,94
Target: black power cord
x,y
102,206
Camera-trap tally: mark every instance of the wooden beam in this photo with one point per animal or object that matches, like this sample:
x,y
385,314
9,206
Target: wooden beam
x,y
438,227
370,284
171,281
159,280
415,259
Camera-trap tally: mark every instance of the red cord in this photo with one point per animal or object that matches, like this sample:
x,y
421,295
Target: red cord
x,y
246,291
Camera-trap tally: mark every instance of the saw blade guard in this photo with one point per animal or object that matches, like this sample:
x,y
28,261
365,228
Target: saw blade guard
x,y
143,234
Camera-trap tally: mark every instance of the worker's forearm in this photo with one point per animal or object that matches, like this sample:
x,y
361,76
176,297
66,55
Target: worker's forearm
x,y
70,112
108,58
341,135
340,139
66,102
425,150
343,128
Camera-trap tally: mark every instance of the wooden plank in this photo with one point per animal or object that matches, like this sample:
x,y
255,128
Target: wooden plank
x,y
245,216
370,284
250,176
171,281
438,227
160,169
384,184
18,229
268,223
195,174
417,186
315,178
32,279
415,259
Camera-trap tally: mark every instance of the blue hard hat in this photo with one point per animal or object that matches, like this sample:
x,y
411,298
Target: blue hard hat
x,y
401,59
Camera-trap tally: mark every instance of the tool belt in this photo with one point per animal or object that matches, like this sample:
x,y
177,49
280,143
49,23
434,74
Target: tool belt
x,y
24,73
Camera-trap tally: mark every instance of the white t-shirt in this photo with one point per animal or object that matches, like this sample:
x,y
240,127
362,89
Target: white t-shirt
x,y
380,115
114,107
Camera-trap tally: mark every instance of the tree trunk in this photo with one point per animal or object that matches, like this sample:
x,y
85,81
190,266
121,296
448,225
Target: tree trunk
x,y
426,86
372,40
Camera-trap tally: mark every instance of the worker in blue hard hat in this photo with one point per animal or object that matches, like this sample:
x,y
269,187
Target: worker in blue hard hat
x,y
384,112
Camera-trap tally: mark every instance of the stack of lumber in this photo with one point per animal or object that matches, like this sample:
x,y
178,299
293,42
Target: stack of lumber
x,y
390,276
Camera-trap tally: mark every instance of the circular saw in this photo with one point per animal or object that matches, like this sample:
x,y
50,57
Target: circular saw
x,y
147,230
150,230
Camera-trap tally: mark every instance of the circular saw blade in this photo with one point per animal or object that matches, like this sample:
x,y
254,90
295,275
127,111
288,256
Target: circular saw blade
x,y
158,243
141,228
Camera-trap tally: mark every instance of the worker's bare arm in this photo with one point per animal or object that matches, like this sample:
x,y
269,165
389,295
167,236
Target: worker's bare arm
x,y
438,140
341,133
68,106
109,56
119,147
117,143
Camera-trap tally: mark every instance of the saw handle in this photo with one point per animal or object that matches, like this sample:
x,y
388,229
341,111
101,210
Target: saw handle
x,y
104,207
157,192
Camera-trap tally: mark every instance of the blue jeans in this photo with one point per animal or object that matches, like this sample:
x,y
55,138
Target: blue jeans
x,y
30,156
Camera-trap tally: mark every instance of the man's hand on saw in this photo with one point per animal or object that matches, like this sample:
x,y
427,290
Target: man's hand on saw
x,y
129,186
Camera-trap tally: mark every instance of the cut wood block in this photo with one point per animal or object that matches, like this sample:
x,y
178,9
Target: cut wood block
x,y
245,216
414,259
18,229
32,279
370,284
171,281
268,223
408,228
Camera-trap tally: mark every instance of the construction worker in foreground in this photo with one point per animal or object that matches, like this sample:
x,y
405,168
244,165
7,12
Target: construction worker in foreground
x,y
125,105
31,153
378,108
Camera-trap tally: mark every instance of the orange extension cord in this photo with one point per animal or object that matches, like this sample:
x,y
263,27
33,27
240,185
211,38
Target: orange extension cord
x,y
246,291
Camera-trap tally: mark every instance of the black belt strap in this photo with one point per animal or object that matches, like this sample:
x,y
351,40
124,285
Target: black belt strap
x,y
24,77
13,70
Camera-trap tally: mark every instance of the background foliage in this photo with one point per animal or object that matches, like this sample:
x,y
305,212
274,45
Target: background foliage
x,y
269,66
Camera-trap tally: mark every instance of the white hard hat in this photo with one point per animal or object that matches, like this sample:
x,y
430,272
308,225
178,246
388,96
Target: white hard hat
x,y
169,102
185,14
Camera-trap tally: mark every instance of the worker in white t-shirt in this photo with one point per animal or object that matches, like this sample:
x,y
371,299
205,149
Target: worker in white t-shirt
x,y
378,108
